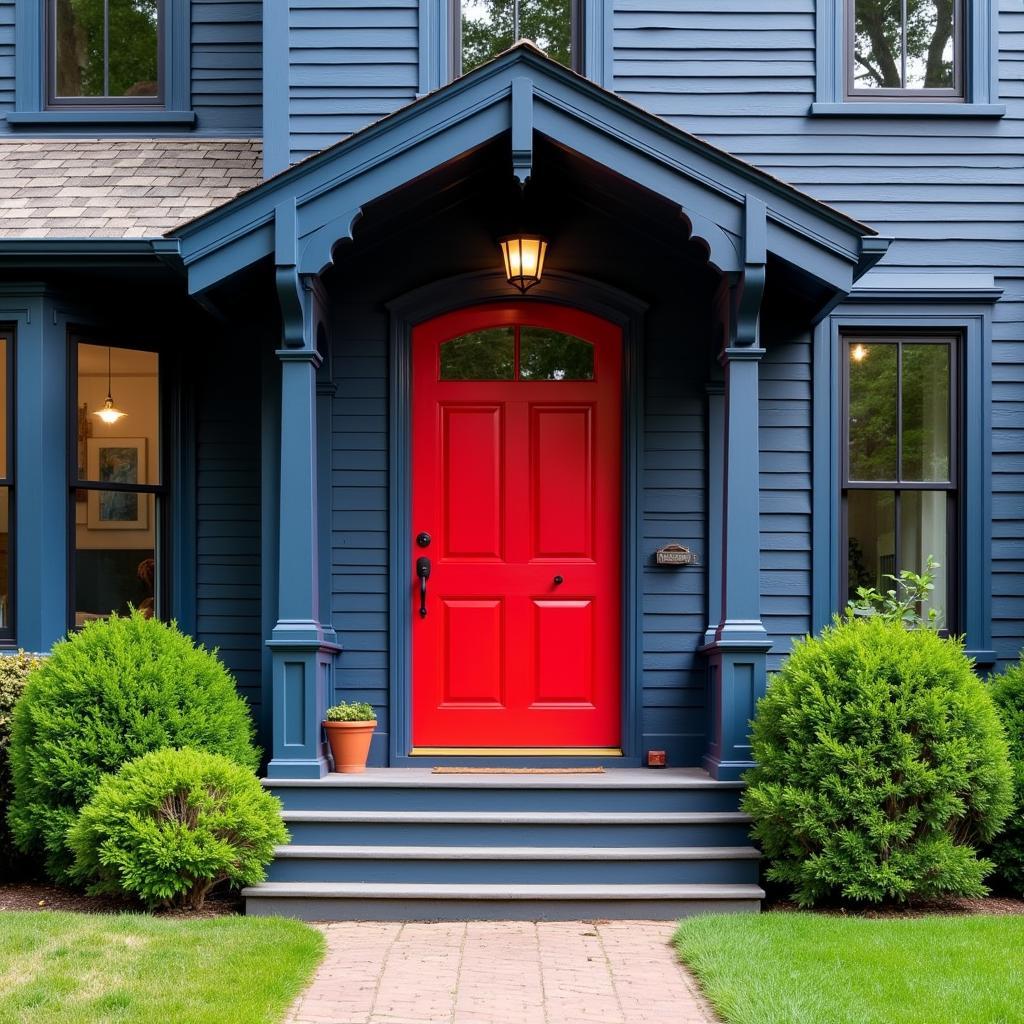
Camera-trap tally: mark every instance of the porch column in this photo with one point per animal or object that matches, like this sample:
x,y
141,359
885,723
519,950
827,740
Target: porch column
x,y
737,651
303,651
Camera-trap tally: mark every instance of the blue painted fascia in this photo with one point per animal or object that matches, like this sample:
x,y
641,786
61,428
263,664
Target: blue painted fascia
x,y
67,252
709,184
965,308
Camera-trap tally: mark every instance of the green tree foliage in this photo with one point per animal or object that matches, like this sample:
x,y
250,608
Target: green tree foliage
x,y
118,689
14,671
488,29
1008,848
173,824
929,30
881,766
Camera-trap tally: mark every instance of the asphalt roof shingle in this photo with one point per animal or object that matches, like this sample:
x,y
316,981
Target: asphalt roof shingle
x,y
118,188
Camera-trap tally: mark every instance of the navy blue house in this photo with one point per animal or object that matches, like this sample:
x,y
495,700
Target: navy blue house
x,y
752,340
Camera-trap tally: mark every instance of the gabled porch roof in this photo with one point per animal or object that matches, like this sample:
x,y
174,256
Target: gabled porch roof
x,y
299,215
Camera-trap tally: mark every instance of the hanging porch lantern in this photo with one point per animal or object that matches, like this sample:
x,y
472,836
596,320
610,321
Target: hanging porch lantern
x,y
524,259
110,413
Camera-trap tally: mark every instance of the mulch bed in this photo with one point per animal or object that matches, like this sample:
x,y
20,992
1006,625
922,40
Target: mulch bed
x,y
31,896
997,905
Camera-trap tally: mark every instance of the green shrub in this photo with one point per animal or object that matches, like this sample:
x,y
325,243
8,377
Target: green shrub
x,y
881,765
118,689
1008,848
14,670
171,825
350,712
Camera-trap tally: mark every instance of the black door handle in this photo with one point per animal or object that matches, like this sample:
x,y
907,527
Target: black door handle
x,y
423,572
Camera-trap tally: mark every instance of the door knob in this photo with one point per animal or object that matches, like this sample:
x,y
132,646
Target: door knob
x,y
558,581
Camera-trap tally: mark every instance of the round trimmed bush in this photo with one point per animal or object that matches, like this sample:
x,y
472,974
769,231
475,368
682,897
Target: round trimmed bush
x,y
881,766
118,689
1008,848
171,825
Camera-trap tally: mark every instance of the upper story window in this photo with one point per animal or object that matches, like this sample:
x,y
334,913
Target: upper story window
x,y
912,49
900,480
104,52
491,26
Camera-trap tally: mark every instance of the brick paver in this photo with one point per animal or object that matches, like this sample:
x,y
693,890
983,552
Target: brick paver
x,y
505,972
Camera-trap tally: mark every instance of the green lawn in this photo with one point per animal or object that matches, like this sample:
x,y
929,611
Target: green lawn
x,y
790,968
128,968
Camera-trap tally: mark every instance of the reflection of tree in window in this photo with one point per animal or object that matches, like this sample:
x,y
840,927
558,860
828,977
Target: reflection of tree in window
x,y
904,44
488,28
106,48
552,355
488,354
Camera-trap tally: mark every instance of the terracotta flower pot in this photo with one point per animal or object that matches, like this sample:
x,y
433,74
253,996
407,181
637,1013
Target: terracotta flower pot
x,y
350,744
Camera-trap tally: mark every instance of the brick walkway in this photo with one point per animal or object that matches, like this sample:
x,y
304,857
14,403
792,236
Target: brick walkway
x,y
619,972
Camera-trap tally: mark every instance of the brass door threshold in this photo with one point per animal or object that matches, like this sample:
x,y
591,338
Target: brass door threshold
x,y
516,752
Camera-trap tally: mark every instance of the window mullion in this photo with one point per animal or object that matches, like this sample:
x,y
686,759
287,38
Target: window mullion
x,y
903,44
106,48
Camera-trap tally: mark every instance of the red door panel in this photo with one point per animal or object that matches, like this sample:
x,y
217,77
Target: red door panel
x,y
517,478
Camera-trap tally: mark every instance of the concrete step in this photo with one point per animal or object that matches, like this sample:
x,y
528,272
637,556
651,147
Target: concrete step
x,y
516,865
395,789
517,828
370,901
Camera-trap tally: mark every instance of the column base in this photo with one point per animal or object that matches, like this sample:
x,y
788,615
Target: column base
x,y
303,679
737,679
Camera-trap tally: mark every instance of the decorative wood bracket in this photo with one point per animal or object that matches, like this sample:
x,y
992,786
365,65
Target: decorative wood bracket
x,y
750,288
522,129
290,293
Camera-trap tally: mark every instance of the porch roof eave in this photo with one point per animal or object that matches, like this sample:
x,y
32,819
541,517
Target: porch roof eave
x,y
299,215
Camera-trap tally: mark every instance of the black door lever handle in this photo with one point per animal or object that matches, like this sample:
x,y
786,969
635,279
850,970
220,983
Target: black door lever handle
x,y
423,572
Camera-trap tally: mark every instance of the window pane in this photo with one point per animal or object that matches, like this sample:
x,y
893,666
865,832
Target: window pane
x,y
552,355
481,355
877,51
871,538
923,533
926,383
488,28
930,44
126,449
5,559
5,441
78,40
115,545
133,48
873,410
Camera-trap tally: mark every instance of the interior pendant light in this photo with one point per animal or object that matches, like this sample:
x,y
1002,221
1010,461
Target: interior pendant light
x,y
524,259
110,413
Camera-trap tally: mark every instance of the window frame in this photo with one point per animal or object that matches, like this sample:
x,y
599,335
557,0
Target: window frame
x,y
979,96
922,95
55,102
8,634
950,558
162,498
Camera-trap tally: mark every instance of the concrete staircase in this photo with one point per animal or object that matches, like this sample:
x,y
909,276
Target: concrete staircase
x,y
404,844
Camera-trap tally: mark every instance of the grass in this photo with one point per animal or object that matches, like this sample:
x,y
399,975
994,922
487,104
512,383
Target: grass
x,y
792,968
133,969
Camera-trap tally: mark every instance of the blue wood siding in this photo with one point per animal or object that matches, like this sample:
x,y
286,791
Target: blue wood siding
x,y
6,55
740,73
350,63
228,614
227,65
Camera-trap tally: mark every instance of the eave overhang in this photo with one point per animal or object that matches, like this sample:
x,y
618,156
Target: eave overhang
x,y
300,215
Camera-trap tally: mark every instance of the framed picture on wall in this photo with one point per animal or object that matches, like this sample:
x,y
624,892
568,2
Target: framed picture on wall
x,y
113,461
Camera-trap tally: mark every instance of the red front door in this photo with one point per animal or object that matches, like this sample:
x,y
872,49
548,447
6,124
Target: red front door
x,y
516,465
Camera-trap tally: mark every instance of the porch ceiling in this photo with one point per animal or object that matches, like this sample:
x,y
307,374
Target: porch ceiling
x,y
299,216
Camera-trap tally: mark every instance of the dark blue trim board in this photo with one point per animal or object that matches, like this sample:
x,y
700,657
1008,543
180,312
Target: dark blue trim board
x,y
442,297
928,305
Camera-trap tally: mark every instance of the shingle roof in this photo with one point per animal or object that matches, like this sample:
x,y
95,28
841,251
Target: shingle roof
x,y
118,188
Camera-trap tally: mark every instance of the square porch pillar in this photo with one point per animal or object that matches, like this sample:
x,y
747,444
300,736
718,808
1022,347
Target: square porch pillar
x,y
303,649
737,643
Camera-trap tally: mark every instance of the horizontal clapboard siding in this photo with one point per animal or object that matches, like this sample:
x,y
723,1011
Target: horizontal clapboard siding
x,y
227,75
740,73
350,63
6,55
228,519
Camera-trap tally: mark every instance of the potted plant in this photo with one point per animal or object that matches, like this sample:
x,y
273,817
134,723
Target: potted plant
x,y
349,729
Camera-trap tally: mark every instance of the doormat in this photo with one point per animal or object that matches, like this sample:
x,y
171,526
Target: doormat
x,y
446,770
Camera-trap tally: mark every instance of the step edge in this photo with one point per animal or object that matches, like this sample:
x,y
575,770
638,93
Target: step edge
x,y
299,851
524,817
505,893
